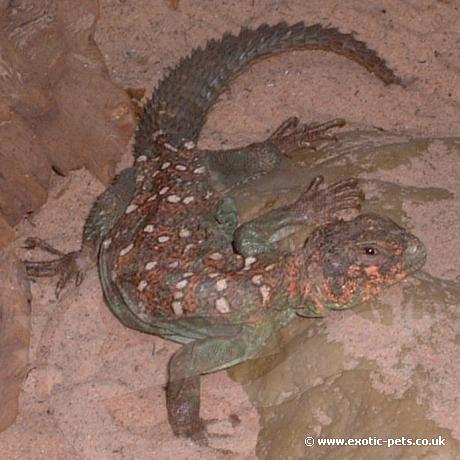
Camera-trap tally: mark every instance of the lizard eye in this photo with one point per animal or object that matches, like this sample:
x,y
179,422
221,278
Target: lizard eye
x,y
370,251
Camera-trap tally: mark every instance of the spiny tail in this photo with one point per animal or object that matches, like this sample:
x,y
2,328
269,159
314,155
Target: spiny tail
x,y
183,98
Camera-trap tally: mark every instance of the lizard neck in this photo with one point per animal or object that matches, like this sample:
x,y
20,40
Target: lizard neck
x,y
304,280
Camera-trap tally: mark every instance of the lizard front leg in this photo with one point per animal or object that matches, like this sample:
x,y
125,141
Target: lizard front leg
x,y
314,207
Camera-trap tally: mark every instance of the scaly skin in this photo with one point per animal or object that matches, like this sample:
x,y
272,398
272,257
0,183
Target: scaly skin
x,y
173,259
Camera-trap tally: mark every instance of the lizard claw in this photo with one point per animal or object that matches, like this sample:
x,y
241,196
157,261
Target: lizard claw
x,y
34,243
68,266
203,436
290,136
325,205
70,270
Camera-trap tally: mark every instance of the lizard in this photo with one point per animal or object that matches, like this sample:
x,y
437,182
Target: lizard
x,y
174,260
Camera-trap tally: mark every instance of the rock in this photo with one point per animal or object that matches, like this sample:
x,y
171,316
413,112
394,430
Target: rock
x,y
59,109
14,335
389,368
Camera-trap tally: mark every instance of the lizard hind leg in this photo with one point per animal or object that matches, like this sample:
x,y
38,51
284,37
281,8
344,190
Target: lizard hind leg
x,y
202,357
106,210
67,266
235,167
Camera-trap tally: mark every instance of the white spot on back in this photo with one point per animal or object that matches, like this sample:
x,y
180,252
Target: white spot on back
x,y
125,250
163,239
269,267
170,147
157,134
165,165
265,292
174,264
181,168
107,243
177,308
188,199
131,208
222,305
184,233
200,170
248,261
142,285
216,256
150,265
141,158
257,279
149,228
173,199
213,275
188,247
181,284
221,285
163,190
189,145
153,197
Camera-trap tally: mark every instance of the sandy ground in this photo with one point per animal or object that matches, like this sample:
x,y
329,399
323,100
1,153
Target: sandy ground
x,y
95,389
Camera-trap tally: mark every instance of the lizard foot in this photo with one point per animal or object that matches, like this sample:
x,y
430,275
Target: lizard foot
x,y
183,404
68,266
203,437
290,136
324,205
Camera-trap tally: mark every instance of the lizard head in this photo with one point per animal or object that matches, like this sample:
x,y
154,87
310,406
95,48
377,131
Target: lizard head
x,y
351,262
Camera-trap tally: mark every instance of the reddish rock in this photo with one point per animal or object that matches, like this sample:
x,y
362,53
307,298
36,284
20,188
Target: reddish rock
x,y
14,335
59,110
